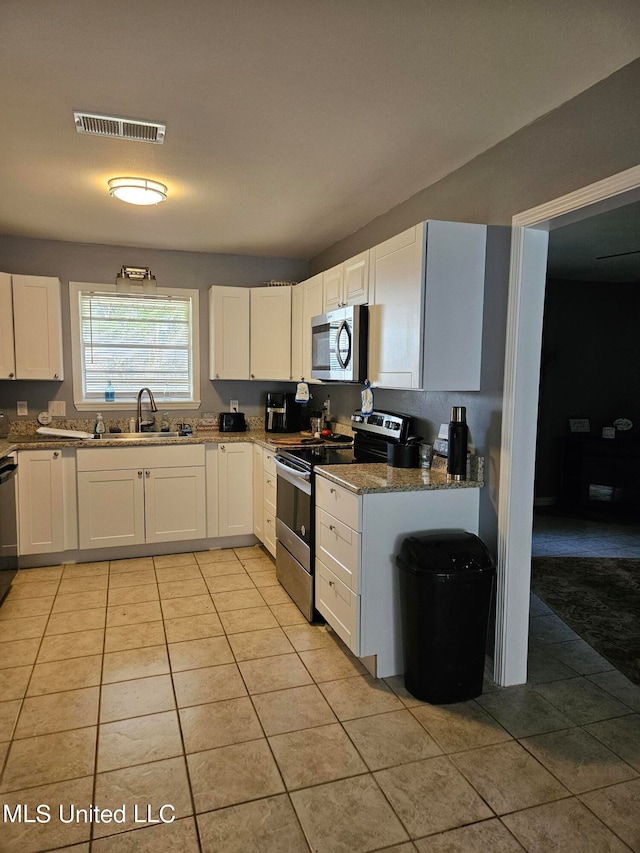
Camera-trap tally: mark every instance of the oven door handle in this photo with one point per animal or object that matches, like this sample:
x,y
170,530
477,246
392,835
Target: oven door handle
x,y
299,479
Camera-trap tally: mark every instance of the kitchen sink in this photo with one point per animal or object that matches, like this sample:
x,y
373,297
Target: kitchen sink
x,y
142,436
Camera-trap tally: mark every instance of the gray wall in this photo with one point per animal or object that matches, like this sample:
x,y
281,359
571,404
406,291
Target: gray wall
x,y
100,264
590,348
591,137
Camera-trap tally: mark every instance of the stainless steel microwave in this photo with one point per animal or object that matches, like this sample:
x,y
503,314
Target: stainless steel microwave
x,y
339,344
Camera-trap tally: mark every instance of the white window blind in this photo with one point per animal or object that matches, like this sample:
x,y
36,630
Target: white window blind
x,y
136,341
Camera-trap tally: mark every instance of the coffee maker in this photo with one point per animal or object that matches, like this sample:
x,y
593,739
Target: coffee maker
x,y
281,412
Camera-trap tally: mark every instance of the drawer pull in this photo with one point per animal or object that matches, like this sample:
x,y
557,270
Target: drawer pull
x,y
332,491
332,583
332,528
55,454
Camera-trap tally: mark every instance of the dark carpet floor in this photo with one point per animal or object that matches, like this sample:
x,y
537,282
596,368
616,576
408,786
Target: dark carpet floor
x,y
599,598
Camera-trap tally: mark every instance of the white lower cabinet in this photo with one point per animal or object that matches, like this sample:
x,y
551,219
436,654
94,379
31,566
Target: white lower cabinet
x,y
258,501
264,497
235,489
357,540
129,496
46,501
269,498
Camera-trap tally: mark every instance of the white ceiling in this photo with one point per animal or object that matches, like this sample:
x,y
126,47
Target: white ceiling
x,y
290,123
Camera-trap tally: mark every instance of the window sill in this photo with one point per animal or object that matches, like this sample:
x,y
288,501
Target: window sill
x,y
127,406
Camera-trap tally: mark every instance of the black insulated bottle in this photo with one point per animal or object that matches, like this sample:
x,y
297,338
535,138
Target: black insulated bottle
x,y
458,438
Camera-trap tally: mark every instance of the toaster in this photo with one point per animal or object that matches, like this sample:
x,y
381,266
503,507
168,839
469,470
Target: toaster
x,y
232,422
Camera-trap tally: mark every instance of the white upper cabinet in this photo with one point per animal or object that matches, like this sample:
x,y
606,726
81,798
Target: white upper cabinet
x,y
425,308
297,307
347,283
307,303
270,333
229,332
7,352
395,314
31,325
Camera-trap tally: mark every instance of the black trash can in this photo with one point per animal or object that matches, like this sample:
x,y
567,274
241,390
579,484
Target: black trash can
x,y
446,583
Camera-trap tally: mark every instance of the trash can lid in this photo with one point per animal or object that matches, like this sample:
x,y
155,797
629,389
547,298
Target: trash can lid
x,y
449,551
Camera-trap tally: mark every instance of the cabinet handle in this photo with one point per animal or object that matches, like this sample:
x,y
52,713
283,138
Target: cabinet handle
x,y
332,528
55,375
147,473
332,491
11,375
222,448
56,453
139,473
253,376
217,376
331,583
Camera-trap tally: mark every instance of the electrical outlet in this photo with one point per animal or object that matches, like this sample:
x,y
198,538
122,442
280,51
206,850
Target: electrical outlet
x,y
57,408
233,405
22,408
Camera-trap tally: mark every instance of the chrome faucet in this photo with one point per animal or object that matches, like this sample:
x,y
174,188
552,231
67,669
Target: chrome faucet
x,y
139,422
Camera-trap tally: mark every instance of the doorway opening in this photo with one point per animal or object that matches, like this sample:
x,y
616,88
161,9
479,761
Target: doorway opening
x,y
521,390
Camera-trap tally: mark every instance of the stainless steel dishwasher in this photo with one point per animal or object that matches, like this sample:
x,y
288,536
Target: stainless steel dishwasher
x,y
8,523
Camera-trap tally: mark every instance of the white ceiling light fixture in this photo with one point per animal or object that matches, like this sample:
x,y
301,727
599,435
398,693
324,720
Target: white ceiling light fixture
x,y
137,190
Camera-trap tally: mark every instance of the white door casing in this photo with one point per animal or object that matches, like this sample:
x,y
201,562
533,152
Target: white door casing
x,y
527,279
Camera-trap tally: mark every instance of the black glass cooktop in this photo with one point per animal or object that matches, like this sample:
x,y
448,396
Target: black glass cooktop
x,y
309,457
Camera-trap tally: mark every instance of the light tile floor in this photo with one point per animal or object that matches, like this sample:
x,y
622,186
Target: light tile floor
x,y
191,680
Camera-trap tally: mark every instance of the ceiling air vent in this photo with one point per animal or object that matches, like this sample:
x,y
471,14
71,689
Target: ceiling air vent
x,y
123,128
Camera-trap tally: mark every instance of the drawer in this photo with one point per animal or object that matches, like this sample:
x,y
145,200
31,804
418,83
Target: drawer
x,y
338,546
338,502
270,533
269,461
156,456
339,605
269,485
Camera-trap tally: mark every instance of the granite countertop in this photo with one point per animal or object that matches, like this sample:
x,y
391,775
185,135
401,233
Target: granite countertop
x,y
376,477
361,478
214,436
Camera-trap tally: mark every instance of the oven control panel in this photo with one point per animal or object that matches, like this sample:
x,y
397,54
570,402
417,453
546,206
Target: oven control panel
x,y
389,425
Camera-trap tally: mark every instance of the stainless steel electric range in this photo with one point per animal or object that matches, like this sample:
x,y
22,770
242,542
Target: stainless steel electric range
x,y
295,516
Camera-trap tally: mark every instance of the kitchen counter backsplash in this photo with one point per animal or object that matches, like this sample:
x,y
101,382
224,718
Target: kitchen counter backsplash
x,y
28,427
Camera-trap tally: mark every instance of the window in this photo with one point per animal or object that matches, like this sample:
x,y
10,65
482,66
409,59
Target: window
x,y
133,341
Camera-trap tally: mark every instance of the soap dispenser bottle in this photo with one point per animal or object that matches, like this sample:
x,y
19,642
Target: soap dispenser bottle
x,y
99,428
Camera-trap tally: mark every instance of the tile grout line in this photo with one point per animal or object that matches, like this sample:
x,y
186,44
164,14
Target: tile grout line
x,y
24,695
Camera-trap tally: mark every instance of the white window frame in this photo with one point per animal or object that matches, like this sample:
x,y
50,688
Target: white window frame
x,y
82,405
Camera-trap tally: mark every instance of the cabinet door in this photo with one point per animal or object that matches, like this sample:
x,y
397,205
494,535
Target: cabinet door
x,y
110,508
313,306
332,287
38,327
395,310
356,279
271,333
258,500
7,357
174,504
297,332
40,502
235,478
229,332
454,274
